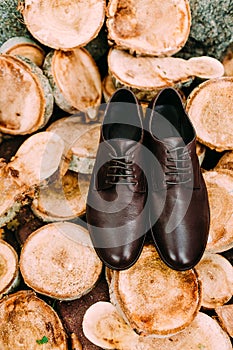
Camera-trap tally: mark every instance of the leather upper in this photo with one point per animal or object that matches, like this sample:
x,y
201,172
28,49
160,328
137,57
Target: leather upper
x,y
147,176
179,208
115,211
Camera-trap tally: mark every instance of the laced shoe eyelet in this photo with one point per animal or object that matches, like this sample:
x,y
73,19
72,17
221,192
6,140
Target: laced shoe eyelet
x,y
120,171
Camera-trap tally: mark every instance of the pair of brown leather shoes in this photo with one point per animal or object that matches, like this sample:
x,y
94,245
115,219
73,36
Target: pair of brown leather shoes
x,y
147,177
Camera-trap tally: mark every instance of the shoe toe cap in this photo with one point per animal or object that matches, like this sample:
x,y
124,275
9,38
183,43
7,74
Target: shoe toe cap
x,y
121,257
181,261
182,248
182,257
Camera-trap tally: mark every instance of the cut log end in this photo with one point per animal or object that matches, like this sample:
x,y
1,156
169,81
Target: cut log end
x,y
60,247
219,186
22,46
69,25
149,27
104,327
18,327
81,91
9,276
216,275
147,302
211,113
26,101
225,319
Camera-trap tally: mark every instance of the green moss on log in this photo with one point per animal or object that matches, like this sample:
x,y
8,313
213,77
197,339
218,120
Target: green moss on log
x,y
11,23
211,30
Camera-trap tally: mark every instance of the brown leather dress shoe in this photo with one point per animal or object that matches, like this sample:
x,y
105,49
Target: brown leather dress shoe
x,y
179,207
115,209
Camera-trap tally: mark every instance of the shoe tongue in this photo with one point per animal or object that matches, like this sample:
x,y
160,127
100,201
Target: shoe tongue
x,y
122,146
173,142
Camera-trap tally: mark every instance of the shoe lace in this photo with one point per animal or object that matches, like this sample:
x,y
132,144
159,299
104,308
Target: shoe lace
x,y
121,170
178,163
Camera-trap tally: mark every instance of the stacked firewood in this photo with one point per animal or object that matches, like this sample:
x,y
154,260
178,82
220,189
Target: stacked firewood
x,y
60,62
